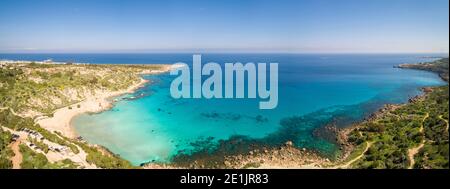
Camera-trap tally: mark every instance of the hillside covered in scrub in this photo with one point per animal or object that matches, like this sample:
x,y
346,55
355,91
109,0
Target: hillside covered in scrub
x,y
33,91
439,66
414,135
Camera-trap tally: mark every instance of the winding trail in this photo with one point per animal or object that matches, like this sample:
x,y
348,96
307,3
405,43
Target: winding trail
x,y
446,122
17,158
347,164
413,151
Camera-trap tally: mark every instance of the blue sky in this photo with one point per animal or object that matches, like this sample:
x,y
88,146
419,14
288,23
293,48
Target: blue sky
x,y
224,26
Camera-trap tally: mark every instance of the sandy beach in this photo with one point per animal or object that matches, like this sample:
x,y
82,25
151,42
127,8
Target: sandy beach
x,y
61,120
99,102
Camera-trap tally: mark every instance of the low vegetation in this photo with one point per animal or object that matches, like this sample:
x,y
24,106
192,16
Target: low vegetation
x,y
414,135
105,160
439,66
418,129
15,122
30,90
34,160
39,89
100,156
5,151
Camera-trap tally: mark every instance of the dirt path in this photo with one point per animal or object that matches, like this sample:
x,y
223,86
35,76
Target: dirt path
x,y
423,120
446,122
413,151
17,158
347,164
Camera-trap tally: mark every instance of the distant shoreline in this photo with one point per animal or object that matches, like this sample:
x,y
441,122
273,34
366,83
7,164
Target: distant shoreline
x,y
441,70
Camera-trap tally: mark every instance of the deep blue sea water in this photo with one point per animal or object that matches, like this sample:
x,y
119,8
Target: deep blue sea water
x,y
314,90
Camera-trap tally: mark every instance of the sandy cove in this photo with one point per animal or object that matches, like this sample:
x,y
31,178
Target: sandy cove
x,y
99,102
61,120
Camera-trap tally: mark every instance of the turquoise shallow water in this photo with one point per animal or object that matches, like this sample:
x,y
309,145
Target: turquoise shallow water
x,y
314,90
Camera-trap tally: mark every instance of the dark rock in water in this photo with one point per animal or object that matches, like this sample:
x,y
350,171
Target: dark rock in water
x,y
235,117
261,119
229,116
129,98
211,115
328,133
323,124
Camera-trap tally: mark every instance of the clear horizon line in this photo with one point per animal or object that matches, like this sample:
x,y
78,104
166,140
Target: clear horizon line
x,y
222,52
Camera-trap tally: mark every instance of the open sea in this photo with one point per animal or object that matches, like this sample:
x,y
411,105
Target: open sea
x,y
315,90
